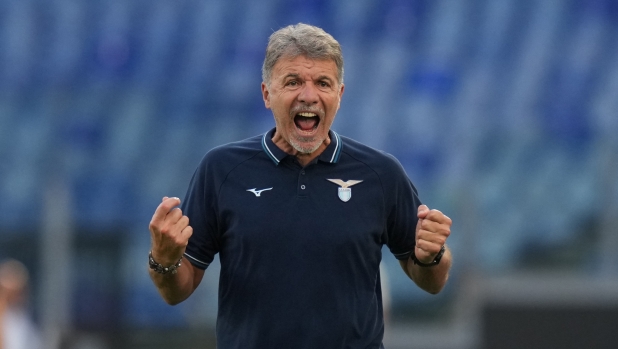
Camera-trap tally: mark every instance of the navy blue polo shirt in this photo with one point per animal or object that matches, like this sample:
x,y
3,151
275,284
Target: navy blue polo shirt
x,y
300,248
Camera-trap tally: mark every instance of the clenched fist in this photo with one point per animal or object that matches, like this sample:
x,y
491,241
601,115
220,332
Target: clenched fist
x,y
169,232
432,230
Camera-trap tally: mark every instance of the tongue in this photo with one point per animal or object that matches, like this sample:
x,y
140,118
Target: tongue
x,y
305,124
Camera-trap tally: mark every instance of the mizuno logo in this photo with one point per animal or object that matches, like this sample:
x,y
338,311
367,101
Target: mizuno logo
x,y
258,192
344,191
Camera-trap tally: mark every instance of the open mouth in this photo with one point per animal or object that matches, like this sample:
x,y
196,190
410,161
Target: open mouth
x,y
306,121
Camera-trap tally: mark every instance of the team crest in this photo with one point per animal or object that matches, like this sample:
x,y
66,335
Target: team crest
x,y
344,191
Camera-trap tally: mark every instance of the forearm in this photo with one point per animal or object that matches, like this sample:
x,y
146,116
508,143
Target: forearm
x,y
430,279
175,288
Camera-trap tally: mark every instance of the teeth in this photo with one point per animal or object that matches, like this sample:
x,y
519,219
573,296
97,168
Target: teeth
x,y
308,115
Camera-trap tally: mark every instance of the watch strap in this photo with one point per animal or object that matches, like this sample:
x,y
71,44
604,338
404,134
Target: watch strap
x,y
435,261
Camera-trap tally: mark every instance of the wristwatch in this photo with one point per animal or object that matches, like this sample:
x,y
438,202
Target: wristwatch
x,y
435,261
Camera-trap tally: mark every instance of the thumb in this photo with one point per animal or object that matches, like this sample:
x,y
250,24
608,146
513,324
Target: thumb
x,y
422,211
164,198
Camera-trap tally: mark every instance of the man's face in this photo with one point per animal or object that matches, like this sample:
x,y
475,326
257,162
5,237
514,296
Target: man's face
x,y
304,96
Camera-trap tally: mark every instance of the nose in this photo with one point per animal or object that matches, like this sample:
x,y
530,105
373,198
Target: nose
x,y
308,94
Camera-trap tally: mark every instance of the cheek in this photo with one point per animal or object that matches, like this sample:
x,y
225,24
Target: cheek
x,y
334,107
282,104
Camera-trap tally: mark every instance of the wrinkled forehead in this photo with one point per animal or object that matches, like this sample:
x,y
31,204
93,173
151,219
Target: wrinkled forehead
x,y
302,63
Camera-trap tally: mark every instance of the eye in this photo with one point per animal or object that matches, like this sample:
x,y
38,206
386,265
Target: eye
x,y
323,84
292,83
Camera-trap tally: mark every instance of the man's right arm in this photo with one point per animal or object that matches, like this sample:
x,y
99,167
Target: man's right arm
x,y
175,288
170,232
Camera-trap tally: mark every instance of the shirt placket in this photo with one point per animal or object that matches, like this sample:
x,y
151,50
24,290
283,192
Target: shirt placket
x,y
301,187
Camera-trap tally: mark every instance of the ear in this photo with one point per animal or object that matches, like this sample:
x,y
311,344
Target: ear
x,y
341,88
266,95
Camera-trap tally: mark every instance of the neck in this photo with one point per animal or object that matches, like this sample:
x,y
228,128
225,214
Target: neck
x,y
303,158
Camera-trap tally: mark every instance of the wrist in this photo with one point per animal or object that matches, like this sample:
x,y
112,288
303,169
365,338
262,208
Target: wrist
x,y
163,268
435,261
163,258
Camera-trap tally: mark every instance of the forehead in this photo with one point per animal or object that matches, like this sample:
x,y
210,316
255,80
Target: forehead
x,y
302,65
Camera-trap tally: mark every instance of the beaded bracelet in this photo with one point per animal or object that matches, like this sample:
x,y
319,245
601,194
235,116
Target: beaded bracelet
x,y
173,269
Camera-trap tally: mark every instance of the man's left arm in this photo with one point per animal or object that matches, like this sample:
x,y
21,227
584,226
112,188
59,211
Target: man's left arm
x,y
432,230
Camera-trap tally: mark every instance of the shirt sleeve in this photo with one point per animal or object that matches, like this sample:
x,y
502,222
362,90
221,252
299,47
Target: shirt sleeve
x,y
200,206
402,203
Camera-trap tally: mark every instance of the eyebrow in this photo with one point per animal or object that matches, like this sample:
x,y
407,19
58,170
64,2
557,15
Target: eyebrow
x,y
291,75
296,76
325,77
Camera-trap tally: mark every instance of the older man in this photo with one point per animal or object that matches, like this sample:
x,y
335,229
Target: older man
x,y
298,216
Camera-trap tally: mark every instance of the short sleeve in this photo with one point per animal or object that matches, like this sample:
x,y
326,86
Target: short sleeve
x,y
200,206
402,203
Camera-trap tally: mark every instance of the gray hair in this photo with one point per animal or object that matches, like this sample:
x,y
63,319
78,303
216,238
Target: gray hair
x,y
301,40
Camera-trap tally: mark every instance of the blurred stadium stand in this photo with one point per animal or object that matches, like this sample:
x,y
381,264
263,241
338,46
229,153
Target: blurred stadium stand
x,y
503,112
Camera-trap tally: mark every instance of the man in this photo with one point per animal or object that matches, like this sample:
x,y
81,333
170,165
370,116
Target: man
x,y
298,216
17,330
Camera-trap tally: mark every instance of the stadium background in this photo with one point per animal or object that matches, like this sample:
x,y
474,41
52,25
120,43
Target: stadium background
x,y
503,112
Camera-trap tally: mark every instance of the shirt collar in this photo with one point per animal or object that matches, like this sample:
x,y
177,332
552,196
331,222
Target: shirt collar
x,y
331,154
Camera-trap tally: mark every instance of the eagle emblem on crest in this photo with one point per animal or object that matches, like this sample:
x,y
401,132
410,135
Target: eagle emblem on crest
x,y
344,190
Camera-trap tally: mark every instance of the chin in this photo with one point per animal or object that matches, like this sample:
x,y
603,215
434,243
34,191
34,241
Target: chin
x,y
305,147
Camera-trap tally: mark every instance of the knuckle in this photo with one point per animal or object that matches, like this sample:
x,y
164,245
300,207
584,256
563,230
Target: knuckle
x,y
429,228
166,230
424,223
179,241
442,230
447,232
441,241
420,234
445,229
164,208
182,241
184,221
